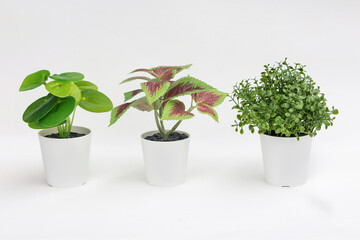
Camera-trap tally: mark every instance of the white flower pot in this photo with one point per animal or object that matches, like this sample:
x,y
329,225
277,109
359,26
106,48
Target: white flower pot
x,y
286,160
165,162
66,160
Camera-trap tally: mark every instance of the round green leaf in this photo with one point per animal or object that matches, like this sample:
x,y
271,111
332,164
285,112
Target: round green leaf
x,y
59,113
68,77
86,85
34,80
37,125
39,108
75,92
95,101
59,89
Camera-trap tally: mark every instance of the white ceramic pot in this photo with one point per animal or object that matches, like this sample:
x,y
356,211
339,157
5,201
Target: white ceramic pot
x,y
286,160
165,162
66,160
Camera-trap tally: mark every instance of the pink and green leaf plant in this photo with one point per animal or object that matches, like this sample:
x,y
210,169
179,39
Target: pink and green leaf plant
x,y
161,93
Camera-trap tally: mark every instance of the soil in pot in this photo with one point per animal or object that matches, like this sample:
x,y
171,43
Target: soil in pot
x,y
175,136
72,135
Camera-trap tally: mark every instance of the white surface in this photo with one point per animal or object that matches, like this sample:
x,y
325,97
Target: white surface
x,y
66,161
286,160
225,196
165,162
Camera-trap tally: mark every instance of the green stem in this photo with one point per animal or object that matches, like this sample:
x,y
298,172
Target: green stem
x,y
59,130
67,126
173,128
70,123
72,119
161,130
160,116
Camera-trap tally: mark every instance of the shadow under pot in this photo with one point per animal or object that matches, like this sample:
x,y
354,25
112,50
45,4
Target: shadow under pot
x,y
66,160
165,162
286,160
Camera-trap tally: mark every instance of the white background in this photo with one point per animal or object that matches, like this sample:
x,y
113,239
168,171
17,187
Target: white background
x,y
225,196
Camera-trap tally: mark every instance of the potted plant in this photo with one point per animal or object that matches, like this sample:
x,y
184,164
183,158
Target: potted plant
x,y
288,109
166,151
65,148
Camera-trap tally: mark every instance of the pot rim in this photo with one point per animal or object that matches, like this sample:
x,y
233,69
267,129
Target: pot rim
x,y
54,130
307,135
143,135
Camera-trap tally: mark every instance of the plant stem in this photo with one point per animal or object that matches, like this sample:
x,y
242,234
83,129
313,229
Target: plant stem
x,y
70,123
161,130
160,115
173,128
65,129
59,130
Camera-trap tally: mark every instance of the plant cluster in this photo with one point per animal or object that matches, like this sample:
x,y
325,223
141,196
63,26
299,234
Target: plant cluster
x,y
161,93
66,92
285,102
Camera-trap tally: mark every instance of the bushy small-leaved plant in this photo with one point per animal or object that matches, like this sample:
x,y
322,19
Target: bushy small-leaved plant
x,y
284,102
66,91
161,93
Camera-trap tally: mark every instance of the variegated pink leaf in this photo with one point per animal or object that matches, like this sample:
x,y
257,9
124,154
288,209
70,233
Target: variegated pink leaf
x,y
142,104
206,100
118,111
135,78
211,98
131,94
205,109
185,86
175,110
154,90
163,73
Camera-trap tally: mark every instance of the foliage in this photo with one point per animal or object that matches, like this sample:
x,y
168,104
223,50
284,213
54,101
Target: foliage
x,y
66,92
285,102
160,96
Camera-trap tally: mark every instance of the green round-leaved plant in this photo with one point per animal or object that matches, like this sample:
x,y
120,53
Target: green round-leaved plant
x,y
66,92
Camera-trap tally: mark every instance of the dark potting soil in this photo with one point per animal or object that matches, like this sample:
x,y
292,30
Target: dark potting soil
x,y
175,136
72,135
